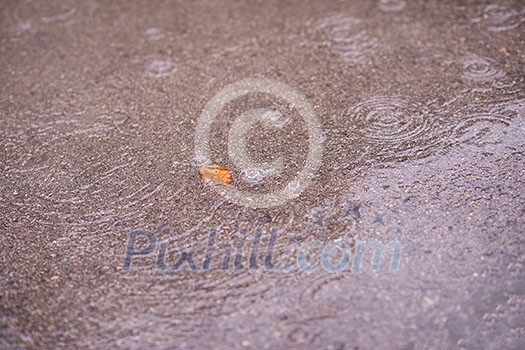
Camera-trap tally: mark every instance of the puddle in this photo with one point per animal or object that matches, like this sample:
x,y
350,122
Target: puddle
x,y
413,221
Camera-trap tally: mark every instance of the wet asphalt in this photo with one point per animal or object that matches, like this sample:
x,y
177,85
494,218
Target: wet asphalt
x,y
409,235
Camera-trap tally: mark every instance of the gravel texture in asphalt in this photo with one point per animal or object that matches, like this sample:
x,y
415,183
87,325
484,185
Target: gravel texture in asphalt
x,y
377,156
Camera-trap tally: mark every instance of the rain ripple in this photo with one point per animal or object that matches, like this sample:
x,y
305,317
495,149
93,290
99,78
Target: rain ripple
x,y
474,129
158,68
395,129
392,5
348,38
480,68
500,17
389,120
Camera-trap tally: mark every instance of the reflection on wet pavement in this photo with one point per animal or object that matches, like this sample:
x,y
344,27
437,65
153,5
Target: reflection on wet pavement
x,y
423,112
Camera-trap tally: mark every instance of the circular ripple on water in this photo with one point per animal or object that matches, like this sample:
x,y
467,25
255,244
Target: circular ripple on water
x,y
479,128
499,18
480,69
392,5
389,120
348,38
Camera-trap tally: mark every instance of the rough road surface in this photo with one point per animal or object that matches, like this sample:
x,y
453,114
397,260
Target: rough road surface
x,y
410,235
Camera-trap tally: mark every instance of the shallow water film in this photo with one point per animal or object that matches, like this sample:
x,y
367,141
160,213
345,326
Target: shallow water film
x,y
363,163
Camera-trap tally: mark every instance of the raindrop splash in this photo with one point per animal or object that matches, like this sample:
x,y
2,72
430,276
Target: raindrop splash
x,y
160,68
275,119
200,161
154,34
253,176
392,5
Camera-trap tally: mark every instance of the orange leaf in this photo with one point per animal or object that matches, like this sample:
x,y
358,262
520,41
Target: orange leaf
x,y
217,174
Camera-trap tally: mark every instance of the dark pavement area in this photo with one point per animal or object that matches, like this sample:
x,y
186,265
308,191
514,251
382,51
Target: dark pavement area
x,y
106,227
